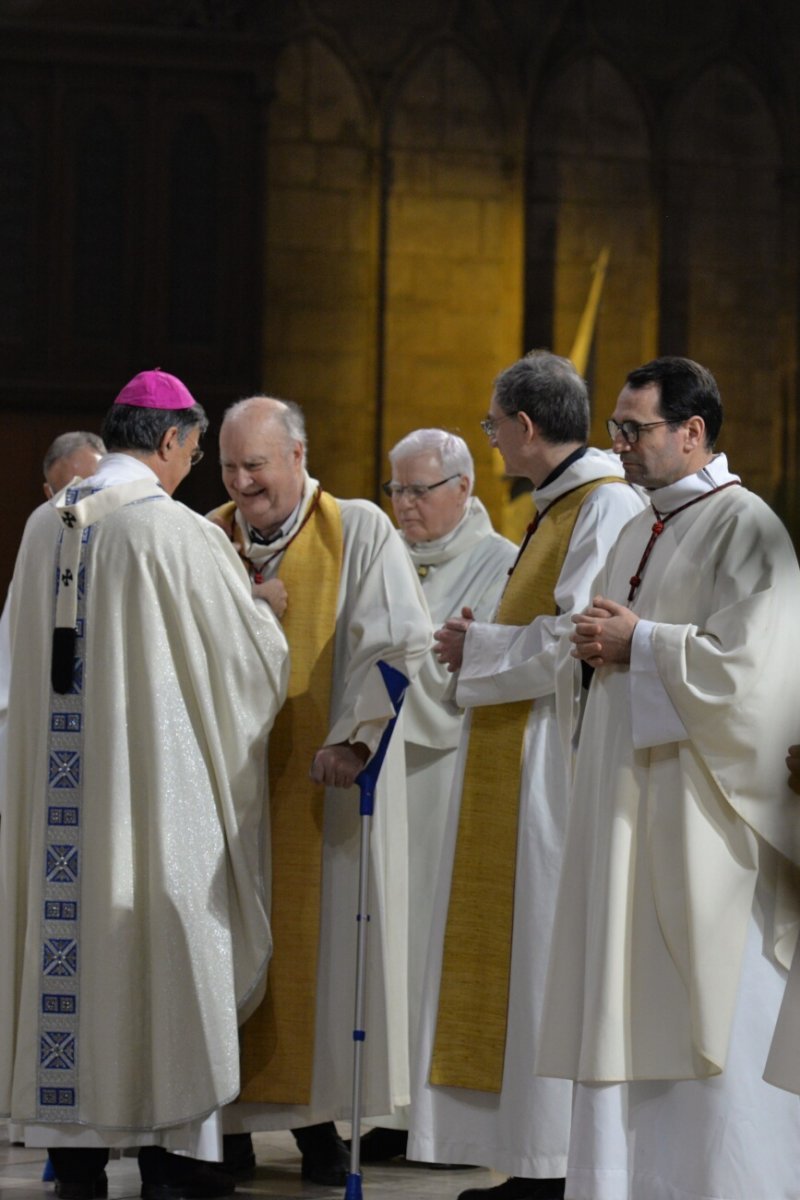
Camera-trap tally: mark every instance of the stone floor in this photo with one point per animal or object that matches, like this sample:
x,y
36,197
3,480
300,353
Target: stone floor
x,y
277,1176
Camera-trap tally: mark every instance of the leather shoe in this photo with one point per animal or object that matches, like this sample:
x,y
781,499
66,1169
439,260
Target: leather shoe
x,y
201,1183
382,1145
329,1172
517,1188
91,1189
326,1159
238,1156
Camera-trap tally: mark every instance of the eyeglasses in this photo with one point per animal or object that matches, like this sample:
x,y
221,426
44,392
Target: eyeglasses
x,y
630,430
417,491
196,456
489,424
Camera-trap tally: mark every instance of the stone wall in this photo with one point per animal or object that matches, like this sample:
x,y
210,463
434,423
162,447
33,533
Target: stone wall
x,y
398,201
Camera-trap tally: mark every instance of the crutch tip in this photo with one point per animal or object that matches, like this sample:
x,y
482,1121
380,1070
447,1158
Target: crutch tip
x,y
352,1189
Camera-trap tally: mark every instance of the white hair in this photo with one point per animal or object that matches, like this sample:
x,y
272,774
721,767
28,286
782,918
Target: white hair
x,y
67,444
451,449
287,412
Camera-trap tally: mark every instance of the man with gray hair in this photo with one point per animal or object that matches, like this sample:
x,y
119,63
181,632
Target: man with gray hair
x,y
134,933
71,455
351,600
475,1099
460,561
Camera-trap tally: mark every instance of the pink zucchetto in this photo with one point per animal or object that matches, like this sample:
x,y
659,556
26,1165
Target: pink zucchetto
x,y
156,389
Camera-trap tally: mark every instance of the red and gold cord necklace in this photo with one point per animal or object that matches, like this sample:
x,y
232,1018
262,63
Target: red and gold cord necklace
x,y
658,529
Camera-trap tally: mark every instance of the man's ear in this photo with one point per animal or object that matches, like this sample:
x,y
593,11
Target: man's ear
x,y
695,429
168,440
527,424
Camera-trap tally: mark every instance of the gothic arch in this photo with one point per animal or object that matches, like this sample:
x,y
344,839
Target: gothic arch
x,y
453,295
723,255
320,257
589,186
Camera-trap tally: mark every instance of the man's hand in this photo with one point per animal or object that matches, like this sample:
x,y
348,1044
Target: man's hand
x,y
603,633
449,648
221,523
337,766
275,593
793,763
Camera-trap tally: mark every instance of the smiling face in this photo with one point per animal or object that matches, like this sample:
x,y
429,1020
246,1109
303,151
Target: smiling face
x,y
262,468
436,513
663,454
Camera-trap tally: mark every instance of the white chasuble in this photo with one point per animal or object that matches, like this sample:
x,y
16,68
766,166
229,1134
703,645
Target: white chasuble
x,y
133,921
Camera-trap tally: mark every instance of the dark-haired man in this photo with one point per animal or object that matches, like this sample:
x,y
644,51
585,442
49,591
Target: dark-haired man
x,y
133,928
678,891
476,1099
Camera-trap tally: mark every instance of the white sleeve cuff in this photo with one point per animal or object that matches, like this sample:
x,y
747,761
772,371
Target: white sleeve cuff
x,y
654,718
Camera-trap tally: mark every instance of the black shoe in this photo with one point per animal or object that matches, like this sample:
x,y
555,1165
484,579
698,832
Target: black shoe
x,y
382,1145
92,1189
517,1188
203,1183
238,1159
444,1166
238,1156
327,1171
326,1159
167,1176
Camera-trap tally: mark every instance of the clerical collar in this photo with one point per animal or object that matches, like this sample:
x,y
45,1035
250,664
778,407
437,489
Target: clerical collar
x,y
710,476
562,466
258,539
690,490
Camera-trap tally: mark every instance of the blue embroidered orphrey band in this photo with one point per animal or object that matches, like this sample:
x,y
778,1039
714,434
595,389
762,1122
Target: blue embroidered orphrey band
x,y
57,1079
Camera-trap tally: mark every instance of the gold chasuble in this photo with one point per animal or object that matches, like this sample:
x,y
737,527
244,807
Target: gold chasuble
x,y
277,1041
469,1047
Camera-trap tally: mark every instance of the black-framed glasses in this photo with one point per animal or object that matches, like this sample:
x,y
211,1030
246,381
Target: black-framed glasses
x,y
196,456
489,424
415,490
630,430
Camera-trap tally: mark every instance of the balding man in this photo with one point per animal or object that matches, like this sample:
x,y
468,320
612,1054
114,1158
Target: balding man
x,y
352,599
71,455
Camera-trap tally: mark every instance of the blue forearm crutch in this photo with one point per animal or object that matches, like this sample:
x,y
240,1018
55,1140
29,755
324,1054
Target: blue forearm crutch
x,y
396,684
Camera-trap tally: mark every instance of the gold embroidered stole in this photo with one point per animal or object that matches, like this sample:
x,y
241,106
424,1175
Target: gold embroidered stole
x,y
469,1047
278,1039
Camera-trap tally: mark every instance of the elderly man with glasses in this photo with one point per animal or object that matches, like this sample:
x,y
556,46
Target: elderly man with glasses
x,y
475,1098
679,902
460,562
